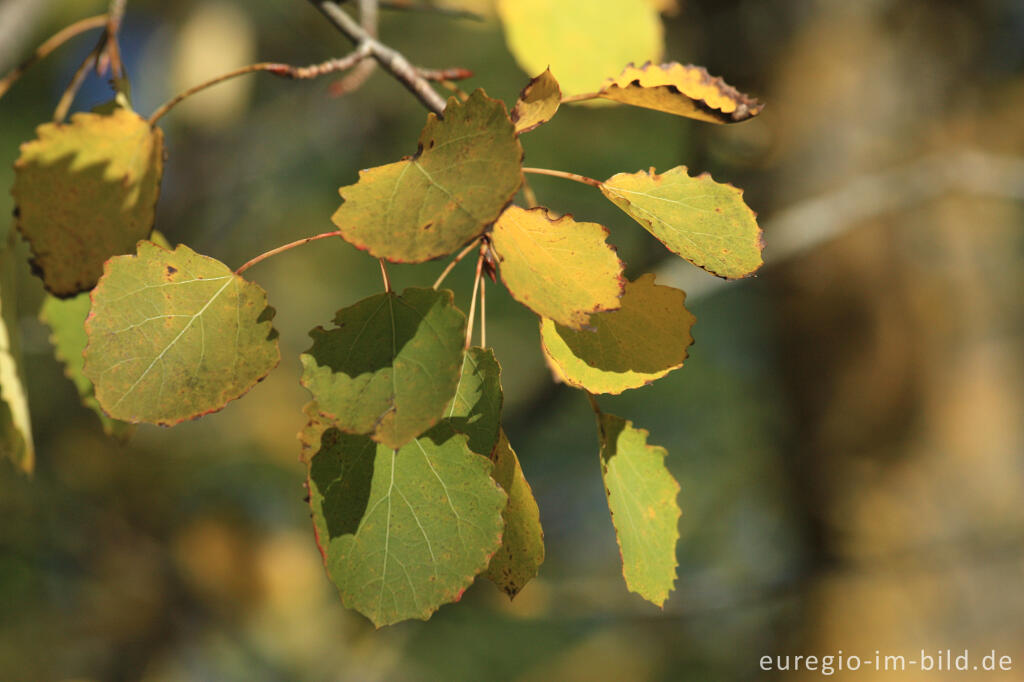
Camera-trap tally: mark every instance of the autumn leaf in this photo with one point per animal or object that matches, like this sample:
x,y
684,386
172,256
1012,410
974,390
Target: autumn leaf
x,y
538,103
704,221
627,348
85,191
467,169
174,335
557,267
15,425
476,408
390,366
642,499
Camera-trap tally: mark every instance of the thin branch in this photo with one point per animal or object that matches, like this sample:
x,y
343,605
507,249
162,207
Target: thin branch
x,y
454,13
48,46
455,261
575,177
359,75
112,50
529,195
445,75
282,70
472,304
286,247
385,276
66,99
580,98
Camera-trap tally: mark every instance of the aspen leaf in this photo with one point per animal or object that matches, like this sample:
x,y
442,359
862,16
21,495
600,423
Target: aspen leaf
x,y
642,499
476,408
538,103
405,531
174,335
680,89
557,267
581,40
390,366
85,191
467,169
15,424
703,221
522,546
627,348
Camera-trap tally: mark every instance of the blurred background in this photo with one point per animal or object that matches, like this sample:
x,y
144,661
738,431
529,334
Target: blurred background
x,y
848,431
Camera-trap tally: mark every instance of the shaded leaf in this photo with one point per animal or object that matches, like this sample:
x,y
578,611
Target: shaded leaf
x,y
476,408
557,267
466,171
642,499
390,366
85,191
522,546
174,335
680,89
627,348
66,320
401,532
538,103
15,424
701,220
581,40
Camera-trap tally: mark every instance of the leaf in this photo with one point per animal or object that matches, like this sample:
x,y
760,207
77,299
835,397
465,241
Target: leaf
x,y
466,171
522,546
174,335
15,424
701,220
390,367
680,89
476,408
402,532
85,191
627,348
538,103
642,500
557,267
66,320
581,40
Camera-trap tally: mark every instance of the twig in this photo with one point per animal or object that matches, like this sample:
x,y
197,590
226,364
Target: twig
x,y
286,247
282,70
445,75
472,304
48,46
529,195
455,261
384,275
112,51
575,177
359,75
64,105
452,12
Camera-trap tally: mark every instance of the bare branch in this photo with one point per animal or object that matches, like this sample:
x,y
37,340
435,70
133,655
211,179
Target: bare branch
x,y
51,44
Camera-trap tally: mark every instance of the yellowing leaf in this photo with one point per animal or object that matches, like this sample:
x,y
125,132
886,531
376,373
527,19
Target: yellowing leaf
x,y
538,103
390,366
701,220
401,531
558,268
683,90
522,546
642,499
467,169
174,335
640,342
581,40
15,425
85,191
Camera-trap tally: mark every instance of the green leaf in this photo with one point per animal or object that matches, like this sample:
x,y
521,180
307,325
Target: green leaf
x,y
466,171
627,348
476,408
701,220
15,425
174,335
538,103
642,499
66,320
85,191
522,546
558,268
581,40
402,532
390,367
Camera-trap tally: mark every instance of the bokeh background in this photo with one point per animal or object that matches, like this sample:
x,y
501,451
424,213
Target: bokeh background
x,y
848,430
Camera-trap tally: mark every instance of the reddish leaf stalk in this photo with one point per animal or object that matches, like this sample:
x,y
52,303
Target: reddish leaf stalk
x,y
286,247
575,177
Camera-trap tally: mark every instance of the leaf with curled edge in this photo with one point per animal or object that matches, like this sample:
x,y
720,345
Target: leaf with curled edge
x,y
85,191
680,89
642,500
557,267
402,532
390,366
538,103
627,348
704,221
467,169
174,335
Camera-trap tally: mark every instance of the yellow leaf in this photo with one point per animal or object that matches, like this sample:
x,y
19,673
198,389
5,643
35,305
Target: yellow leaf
x,y
538,103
